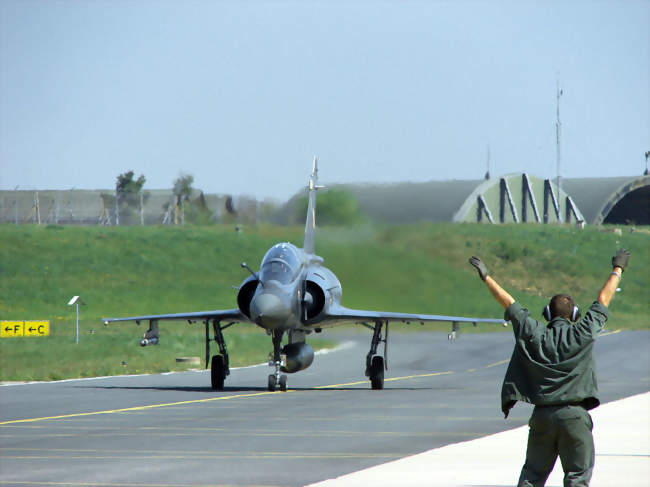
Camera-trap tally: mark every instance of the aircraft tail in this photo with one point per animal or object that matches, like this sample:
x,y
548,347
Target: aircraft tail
x,y
310,226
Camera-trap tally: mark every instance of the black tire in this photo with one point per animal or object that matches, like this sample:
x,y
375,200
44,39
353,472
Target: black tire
x,y
271,385
377,372
217,372
283,382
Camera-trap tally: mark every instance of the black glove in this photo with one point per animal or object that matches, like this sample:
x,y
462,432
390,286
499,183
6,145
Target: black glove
x,y
620,259
480,267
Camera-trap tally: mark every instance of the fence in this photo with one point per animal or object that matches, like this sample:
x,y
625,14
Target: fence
x,y
97,207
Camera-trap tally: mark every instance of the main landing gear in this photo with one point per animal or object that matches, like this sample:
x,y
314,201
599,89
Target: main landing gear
x,y
376,364
276,379
219,368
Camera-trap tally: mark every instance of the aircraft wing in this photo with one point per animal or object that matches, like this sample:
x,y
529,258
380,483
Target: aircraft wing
x,y
340,314
220,314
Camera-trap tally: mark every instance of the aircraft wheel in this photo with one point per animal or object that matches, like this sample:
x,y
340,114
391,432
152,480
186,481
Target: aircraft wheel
x,y
271,383
217,372
377,372
283,382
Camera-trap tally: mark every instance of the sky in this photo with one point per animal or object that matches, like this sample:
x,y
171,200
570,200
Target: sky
x,y
243,94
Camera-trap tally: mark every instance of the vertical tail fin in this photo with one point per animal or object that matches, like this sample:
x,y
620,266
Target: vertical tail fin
x,y
310,225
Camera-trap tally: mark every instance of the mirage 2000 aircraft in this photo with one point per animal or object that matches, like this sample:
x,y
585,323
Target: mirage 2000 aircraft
x,y
293,293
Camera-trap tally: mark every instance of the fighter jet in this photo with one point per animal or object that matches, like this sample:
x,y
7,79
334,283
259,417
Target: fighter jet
x,y
293,294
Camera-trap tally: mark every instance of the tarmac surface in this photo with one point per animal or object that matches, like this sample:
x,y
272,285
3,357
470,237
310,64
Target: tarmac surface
x,y
621,435
173,430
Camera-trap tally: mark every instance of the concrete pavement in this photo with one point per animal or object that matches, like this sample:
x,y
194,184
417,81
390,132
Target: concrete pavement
x,y
621,434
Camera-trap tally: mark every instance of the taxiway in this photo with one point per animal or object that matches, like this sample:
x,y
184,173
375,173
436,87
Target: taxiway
x,y
173,430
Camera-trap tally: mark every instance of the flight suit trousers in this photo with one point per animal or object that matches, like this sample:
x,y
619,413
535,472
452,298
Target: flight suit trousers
x,y
564,431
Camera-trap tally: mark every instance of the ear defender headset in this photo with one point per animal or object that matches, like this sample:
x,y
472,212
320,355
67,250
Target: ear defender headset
x,y
575,313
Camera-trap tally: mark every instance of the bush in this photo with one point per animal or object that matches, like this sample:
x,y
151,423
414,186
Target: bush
x,y
333,207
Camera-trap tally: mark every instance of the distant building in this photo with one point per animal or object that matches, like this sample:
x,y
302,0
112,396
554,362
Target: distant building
x,y
513,198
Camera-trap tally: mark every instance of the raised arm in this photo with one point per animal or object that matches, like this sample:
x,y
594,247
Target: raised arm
x,y
619,262
501,295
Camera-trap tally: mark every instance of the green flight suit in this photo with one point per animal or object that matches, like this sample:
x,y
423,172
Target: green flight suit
x,y
552,367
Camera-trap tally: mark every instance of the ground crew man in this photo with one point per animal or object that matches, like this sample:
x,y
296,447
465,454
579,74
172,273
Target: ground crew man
x,y
552,367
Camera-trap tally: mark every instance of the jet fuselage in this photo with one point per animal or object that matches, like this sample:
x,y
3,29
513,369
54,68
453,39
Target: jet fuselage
x,y
290,292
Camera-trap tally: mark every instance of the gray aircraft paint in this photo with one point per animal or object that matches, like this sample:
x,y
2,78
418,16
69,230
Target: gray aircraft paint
x,y
294,293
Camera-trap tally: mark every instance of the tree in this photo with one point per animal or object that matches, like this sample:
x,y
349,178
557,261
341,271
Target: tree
x,y
197,212
183,186
191,211
333,207
125,184
130,198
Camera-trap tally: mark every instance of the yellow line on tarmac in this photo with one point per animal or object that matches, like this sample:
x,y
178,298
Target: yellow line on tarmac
x,y
333,386
610,333
237,396
497,363
197,401
138,408
418,376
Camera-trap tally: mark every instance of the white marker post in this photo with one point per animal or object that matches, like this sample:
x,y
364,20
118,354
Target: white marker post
x,y
76,300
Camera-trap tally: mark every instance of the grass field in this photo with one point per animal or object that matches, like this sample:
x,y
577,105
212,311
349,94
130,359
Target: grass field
x,y
417,268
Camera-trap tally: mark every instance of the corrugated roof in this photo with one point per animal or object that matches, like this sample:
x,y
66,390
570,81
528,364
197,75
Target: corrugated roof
x,y
435,201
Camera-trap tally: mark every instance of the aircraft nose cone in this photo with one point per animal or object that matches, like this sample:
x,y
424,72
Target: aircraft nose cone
x,y
269,311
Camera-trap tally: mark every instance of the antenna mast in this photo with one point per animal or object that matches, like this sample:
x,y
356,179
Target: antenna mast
x,y
558,132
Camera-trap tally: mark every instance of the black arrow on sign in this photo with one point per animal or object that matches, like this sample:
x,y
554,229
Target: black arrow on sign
x,y
8,329
31,329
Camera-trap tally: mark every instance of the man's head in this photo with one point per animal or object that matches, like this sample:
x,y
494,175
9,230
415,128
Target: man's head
x,y
561,305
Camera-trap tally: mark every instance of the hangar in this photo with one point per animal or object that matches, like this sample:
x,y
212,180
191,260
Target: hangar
x,y
513,198
620,201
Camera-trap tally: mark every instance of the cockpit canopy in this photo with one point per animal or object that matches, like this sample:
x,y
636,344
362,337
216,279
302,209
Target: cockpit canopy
x,y
281,263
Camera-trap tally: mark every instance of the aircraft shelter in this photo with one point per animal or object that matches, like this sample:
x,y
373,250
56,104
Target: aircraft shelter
x,y
513,198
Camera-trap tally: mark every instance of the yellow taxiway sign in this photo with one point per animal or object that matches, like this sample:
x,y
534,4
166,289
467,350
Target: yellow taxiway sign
x,y
12,329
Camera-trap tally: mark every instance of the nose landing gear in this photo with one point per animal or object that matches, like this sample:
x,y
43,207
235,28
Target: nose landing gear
x,y
280,383
277,379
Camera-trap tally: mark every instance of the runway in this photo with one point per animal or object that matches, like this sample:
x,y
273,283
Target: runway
x,y
173,430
